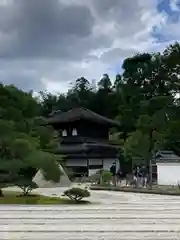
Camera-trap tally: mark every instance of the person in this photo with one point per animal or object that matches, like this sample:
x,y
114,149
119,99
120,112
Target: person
x,y
119,176
138,176
144,176
113,172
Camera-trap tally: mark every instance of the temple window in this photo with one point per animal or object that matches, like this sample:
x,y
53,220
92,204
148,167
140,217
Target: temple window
x,y
74,132
64,133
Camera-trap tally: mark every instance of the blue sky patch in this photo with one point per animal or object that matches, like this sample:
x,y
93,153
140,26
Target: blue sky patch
x,y
173,16
165,6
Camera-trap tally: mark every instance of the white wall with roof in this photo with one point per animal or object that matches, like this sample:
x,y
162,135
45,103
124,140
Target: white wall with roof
x,y
168,168
168,173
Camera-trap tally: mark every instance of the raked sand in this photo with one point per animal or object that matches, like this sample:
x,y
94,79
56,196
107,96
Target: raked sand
x,y
112,216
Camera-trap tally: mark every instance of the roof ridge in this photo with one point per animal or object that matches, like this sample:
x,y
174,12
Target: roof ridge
x,y
81,112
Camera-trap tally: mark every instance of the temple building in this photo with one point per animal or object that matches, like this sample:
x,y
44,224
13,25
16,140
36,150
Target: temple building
x,y
84,140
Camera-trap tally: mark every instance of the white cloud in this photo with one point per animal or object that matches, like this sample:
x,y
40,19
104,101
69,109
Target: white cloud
x,y
54,57
127,37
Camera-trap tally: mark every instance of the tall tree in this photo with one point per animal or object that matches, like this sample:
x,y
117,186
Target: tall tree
x,y
105,83
81,94
48,103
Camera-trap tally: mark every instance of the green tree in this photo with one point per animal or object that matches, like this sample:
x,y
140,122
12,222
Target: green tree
x,y
105,82
48,103
148,138
20,152
16,104
81,94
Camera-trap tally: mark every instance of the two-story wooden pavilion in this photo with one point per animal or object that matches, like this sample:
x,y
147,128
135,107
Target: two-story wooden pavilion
x,y
85,140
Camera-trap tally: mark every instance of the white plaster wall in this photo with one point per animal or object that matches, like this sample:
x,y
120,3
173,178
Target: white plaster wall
x,y
95,161
107,163
168,173
77,162
93,171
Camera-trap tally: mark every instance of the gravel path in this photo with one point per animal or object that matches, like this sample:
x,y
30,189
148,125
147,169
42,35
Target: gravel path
x,y
117,216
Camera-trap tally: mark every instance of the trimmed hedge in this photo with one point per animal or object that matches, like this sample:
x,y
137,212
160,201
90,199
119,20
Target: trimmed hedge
x,y
136,190
77,194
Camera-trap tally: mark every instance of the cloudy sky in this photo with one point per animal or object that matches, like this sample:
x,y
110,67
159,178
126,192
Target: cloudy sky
x,y
48,44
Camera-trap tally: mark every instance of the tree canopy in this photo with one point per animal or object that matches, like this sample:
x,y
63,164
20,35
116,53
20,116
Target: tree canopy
x,y
25,145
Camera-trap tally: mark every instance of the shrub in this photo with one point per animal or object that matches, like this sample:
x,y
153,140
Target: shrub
x,y
77,194
95,177
27,186
106,177
101,177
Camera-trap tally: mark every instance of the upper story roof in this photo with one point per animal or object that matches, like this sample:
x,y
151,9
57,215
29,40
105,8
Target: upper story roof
x,y
166,157
76,114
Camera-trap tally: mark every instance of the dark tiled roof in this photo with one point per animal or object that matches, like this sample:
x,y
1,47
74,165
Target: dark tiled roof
x,y
80,113
166,156
84,147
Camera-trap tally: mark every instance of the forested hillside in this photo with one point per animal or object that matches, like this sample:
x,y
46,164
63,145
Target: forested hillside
x,y
144,98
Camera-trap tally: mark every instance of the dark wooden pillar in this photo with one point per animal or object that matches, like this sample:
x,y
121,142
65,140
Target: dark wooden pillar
x,y
88,166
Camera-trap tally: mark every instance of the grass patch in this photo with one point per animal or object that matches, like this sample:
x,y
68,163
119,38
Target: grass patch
x,y
173,191
17,198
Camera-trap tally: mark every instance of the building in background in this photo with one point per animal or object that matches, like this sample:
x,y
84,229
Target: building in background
x,y
168,168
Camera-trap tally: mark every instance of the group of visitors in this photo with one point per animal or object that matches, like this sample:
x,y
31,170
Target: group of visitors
x,y
140,175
